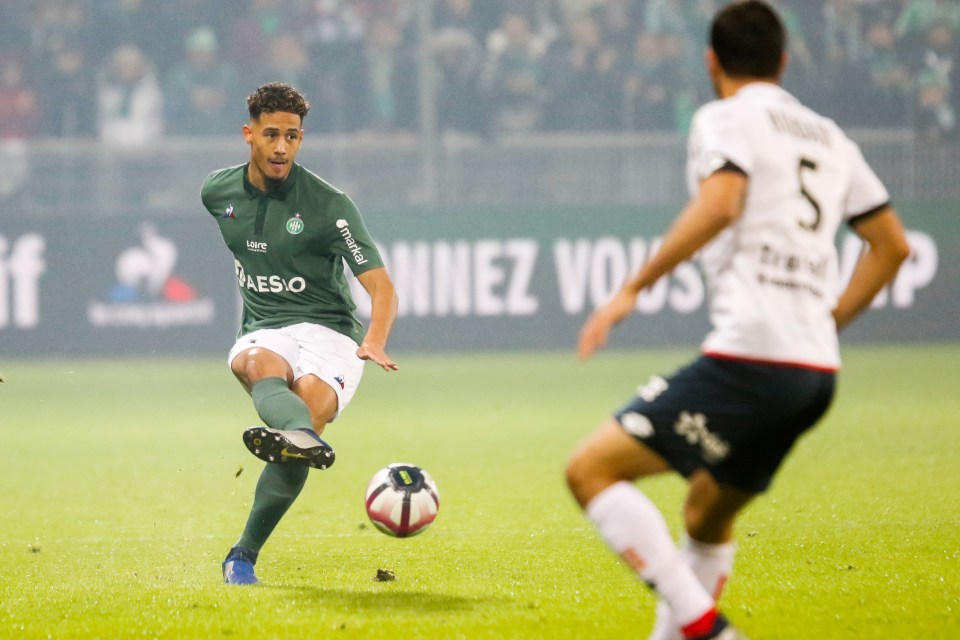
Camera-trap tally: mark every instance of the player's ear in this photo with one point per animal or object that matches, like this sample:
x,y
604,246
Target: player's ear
x,y
711,61
247,133
784,59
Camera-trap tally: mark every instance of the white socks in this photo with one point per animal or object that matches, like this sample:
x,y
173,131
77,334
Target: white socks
x,y
635,529
712,564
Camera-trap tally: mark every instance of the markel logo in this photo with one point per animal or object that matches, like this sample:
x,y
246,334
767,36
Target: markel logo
x,y
352,245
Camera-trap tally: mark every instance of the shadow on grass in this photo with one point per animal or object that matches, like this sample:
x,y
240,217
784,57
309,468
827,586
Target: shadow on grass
x,y
392,600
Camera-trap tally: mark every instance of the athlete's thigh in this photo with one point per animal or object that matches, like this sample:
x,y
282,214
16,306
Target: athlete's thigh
x,y
261,354
331,358
320,398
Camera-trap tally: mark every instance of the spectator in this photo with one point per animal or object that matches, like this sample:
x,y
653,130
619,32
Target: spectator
x,y
18,101
647,102
288,62
618,21
583,80
387,82
57,21
458,58
18,106
251,31
460,15
333,34
664,16
545,18
917,16
68,92
201,90
149,24
936,84
887,77
129,100
512,79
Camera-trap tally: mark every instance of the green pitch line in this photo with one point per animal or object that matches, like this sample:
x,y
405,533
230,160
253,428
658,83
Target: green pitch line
x,y
125,482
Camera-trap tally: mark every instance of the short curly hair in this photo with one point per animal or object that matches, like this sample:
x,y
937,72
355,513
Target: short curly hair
x,y
276,97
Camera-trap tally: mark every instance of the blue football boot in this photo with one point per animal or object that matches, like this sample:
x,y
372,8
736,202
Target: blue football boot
x,y
238,567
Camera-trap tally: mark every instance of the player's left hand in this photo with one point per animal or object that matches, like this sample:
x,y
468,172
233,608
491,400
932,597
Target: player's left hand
x,y
376,354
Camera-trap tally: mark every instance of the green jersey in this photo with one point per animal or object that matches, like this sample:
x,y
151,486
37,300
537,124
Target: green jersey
x,y
289,246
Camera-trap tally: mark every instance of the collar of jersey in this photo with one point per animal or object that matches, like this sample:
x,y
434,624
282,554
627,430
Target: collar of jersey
x,y
280,193
761,86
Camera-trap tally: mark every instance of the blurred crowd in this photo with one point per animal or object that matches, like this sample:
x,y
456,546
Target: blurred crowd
x,y
130,71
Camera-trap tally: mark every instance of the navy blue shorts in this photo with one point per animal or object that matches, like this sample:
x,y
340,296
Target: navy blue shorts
x,y
736,419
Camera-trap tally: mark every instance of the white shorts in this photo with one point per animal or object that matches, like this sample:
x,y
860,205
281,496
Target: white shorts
x,y
311,349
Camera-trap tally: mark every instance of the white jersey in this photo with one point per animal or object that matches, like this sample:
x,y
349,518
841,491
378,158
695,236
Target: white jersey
x,y
772,275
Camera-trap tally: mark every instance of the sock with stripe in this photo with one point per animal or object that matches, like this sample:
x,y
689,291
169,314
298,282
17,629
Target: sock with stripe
x,y
634,528
712,564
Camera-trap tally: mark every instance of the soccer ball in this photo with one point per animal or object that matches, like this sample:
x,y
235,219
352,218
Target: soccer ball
x,y
402,500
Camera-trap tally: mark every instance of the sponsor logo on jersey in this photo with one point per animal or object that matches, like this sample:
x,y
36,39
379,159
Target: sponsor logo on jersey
x,y
256,247
268,283
295,224
147,293
352,245
228,212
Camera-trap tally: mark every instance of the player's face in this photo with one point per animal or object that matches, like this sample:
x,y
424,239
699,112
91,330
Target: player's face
x,y
274,141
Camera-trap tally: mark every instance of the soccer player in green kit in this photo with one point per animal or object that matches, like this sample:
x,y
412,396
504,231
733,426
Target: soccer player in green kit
x,y
301,350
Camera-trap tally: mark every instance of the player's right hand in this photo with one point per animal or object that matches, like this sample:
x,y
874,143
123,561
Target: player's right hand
x,y
596,330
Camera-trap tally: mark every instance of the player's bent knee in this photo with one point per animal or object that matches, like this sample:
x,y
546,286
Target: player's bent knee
x,y
584,478
255,364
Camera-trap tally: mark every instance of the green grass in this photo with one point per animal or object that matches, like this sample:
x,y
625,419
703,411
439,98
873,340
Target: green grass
x,y
120,496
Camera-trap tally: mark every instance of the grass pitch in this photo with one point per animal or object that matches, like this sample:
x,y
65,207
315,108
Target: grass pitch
x,y
125,482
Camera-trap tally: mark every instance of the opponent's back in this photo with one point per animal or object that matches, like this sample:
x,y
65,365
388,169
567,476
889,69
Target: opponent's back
x,y
773,274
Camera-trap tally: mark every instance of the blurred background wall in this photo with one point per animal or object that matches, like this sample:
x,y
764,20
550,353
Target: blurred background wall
x,y
514,158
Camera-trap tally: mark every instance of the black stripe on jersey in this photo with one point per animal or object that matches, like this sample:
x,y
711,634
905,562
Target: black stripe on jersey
x,y
261,216
869,213
731,166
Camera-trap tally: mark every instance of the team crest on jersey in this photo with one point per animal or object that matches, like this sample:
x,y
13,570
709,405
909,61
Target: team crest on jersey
x,y
295,224
339,379
228,212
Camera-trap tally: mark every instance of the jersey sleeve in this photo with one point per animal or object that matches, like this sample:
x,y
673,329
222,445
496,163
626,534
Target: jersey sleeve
x,y
213,184
352,241
205,194
866,193
720,141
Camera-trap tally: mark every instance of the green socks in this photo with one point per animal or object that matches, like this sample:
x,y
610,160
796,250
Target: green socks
x,y
278,406
278,487
279,484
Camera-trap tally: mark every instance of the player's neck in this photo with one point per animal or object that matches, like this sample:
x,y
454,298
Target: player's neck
x,y
727,85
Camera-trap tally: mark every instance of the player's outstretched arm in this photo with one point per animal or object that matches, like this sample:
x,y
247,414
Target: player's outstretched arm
x,y
383,303
887,248
718,204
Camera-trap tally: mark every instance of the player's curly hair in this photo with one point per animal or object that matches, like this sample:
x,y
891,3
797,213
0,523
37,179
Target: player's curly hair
x,y
276,97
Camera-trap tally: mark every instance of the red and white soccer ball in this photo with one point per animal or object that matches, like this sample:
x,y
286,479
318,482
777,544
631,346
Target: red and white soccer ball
x,y
402,500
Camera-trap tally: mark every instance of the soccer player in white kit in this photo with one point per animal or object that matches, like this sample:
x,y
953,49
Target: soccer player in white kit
x,y
770,181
